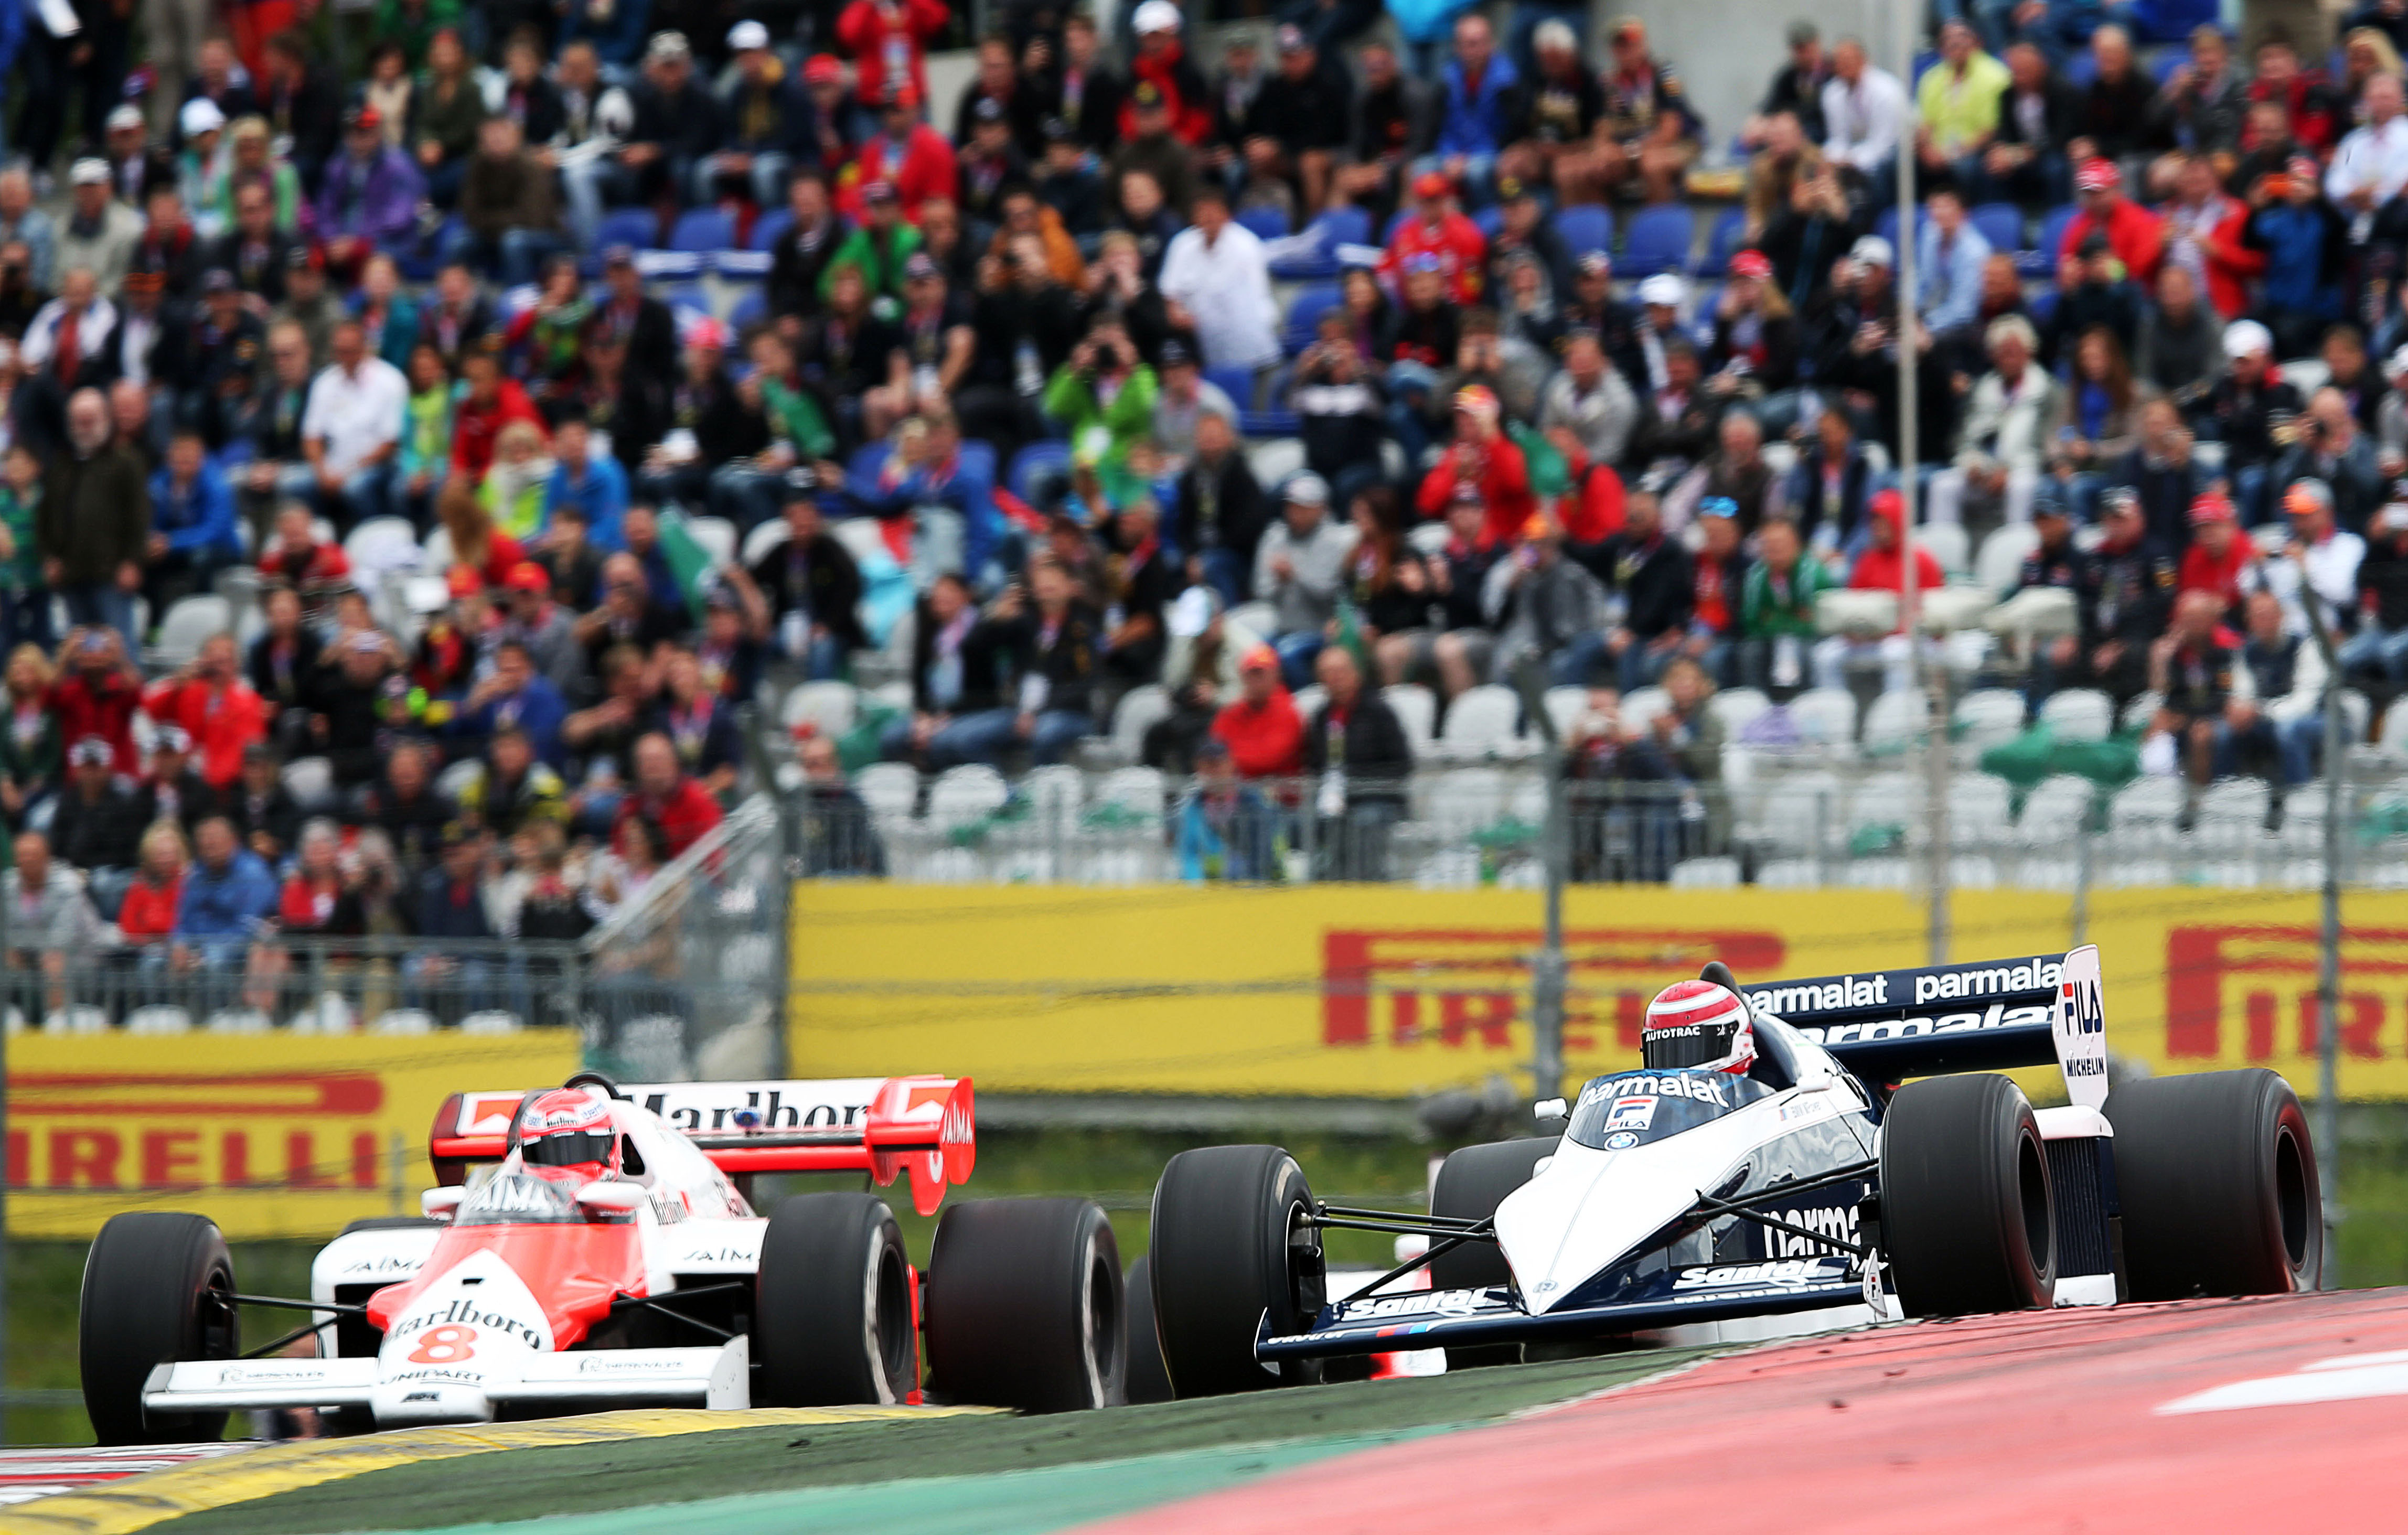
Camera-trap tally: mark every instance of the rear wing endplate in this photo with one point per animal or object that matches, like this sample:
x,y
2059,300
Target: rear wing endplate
x,y
925,1127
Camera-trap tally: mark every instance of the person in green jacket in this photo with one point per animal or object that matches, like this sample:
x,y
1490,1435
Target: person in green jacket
x,y
24,601
412,24
1103,387
1777,610
880,248
424,458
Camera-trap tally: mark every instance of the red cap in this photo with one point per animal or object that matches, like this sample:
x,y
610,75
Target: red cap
x,y
1260,658
1750,264
1889,506
2210,507
528,576
905,96
2098,175
822,69
464,580
1432,183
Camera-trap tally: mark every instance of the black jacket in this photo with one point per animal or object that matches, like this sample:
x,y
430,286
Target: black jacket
x,y
797,259
275,812
2061,117
2127,594
106,834
826,585
1068,663
2382,575
1221,510
986,667
1377,755
1657,581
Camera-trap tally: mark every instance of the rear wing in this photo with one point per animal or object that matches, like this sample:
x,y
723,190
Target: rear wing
x,y
884,1127
1988,1015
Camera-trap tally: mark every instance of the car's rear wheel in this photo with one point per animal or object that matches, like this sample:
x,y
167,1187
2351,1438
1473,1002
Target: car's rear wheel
x,y
1965,1199
832,1315
1233,1240
2217,1179
1148,1381
1471,1183
158,1286
1025,1306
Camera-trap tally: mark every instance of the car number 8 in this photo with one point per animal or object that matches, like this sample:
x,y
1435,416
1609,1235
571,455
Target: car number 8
x,y
445,1345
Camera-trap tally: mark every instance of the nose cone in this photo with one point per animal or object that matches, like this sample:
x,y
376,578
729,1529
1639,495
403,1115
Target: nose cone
x,y
1589,1208
472,1329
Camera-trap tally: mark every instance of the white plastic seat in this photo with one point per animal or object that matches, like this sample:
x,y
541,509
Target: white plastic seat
x,y
890,789
1878,874
1466,799
238,1021
964,793
2241,800
191,621
2079,713
2146,801
76,1018
1896,720
159,1019
1139,710
1979,811
455,780
1887,800
2000,563
761,539
1136,789
1643,706
716,534
403,1021
1310,700
1789,874
1706,874
1735,707
1801,811
860,536
1054,794
1564,705
309,779
1274,459
1416,708
491,1021
1481,723
2054,811
1948,544
1825,716
828,706
1990,716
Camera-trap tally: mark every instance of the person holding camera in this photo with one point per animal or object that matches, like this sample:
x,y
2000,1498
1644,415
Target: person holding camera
x,y
2326,444
1104,386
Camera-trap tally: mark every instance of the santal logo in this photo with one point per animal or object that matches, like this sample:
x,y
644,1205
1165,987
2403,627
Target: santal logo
x,y
1794,1271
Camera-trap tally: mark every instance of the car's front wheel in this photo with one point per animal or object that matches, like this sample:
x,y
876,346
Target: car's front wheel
x,y
158,1286
1233,1241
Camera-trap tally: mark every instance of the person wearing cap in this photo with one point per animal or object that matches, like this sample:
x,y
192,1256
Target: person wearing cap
x,y
99,231
2134,235
23,221
1300,563
1542,606
221,713
510,217
2333,450
1483,455
1436,229
1158,57
988,163
2123,602
1796,88
889,40
1068,180
1224,828
171,788
1753,353
907,162
1185,398
1300,119
1477,90
368,196
677,123
1648,131
1865,114
1555,112
769,118
97,824
2240,410
1260,728
2219,555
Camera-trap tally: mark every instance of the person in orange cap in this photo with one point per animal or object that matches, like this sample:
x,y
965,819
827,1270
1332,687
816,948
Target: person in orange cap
x,y
1482,454
1435,226
1261,728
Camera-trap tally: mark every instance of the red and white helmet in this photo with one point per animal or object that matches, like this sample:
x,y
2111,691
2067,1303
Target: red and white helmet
x,y
566,1127
1697,1023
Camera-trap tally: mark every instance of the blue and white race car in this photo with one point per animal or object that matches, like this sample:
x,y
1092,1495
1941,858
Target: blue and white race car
x,y
1807,1181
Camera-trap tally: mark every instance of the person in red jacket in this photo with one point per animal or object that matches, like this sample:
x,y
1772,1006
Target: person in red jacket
x,y
100,696
1161,62
1262,729
1591,506
1439,228
2219,555
2133,232
491,402
221,712
1881,566
889,43
667,797
906,154
1482,454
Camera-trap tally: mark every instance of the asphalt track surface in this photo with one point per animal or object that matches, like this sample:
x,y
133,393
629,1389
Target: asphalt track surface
x,y
2194,1419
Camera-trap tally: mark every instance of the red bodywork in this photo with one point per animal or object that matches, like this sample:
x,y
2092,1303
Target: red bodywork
x,y
573,1271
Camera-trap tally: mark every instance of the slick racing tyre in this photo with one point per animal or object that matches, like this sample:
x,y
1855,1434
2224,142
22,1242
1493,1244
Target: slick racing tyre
x,y
1470,1184
1965,1208
1025,1306
1233,1240
832,1313
2217,1179
1148,1381
158,1286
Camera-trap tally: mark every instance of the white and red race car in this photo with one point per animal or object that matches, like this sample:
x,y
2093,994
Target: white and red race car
x,y
589,1246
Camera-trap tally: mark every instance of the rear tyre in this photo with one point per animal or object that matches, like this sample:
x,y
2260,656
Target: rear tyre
x,y
832,1315
1025,1307
1966,1218
1232,1242
1148,1381
2217,1178
1470,1184
157,1286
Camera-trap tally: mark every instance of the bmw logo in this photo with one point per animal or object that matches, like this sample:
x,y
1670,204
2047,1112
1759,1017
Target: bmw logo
x,y
1621,1140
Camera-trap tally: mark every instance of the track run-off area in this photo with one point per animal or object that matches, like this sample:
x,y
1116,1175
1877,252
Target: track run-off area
x,y
2190,1417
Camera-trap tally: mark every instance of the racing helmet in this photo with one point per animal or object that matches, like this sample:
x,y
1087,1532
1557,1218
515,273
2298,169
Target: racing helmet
x,y
566,1127
1697,1023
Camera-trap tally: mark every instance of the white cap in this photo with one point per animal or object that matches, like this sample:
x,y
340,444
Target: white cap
x,y
1873,251
125,115
744,36
1669,289
2246,337
90,171
1157,16
1307,489
201,116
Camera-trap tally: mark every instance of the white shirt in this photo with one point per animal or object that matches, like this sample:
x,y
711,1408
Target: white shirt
x,y
355,415
1227,286
1864,120
2371,158
42,335
2331,569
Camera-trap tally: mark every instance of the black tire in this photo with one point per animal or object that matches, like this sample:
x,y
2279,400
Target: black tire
x,y
832,1317
1025,1306
2217,1178
1965,1199
1148,1379
157,1286
1471,1183
388,1223
1230,1243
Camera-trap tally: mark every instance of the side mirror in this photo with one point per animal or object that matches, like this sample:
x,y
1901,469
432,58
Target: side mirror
x,y
441,1204
1816,1082
1548,1110
612,1199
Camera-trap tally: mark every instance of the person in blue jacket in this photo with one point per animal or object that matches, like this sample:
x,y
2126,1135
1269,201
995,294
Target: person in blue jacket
x,y
514,694
1475,111
595,483
950,477
1226,830
228,898
192,522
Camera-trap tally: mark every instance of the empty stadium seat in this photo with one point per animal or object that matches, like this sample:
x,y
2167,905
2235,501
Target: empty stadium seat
x,y
1825,716
1730,230
964,793
716,534
1657,240
1416,708
702,231
1464,800
1586,227
829,706
2000,563
1895,721
309,779
1304,313
191,621
1036,459
2001,225
769,228
1482,723
1266,220
890,789
761,539
1138,710
2078,714
2041,260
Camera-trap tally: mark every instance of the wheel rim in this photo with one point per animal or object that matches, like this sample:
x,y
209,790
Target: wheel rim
x,y
2291,1213
887,1323
1101,1309
218,1319
2031,1179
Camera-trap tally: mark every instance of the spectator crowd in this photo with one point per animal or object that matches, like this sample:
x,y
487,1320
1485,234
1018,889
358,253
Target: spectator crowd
x,y
389,343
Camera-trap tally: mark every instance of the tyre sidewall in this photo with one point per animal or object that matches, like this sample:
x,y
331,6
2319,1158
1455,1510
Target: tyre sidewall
x,y
828,1308
142,1306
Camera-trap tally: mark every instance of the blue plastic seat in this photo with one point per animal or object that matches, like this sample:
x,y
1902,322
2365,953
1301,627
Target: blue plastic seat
x,y
702,231
1885,225
1348,225
1586,227
2041,260
1657,240
1490,221
1725,242
1036,459
2001,225
633,226
1304,314
1268,221
1236,382
748,310
768,227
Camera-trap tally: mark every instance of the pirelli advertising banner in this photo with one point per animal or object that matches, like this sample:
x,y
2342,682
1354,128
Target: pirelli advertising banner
x,y
1387,991
268,1135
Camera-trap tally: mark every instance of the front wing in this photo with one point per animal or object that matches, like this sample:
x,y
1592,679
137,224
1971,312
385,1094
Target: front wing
x,y
1461,1318
711,1376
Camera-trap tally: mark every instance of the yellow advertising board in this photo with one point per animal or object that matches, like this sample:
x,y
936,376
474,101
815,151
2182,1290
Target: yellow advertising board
x,y
268,1135
1379,991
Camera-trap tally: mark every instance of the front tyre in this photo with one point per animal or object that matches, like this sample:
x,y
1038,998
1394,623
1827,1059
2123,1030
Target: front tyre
x,y
832,1315
1233,1240
1471,1183
1025,1306
1965,1199
157,1286
2217,1179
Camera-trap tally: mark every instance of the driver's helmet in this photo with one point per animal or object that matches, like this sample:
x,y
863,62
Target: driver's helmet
x,y
568,1127
1697,1023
